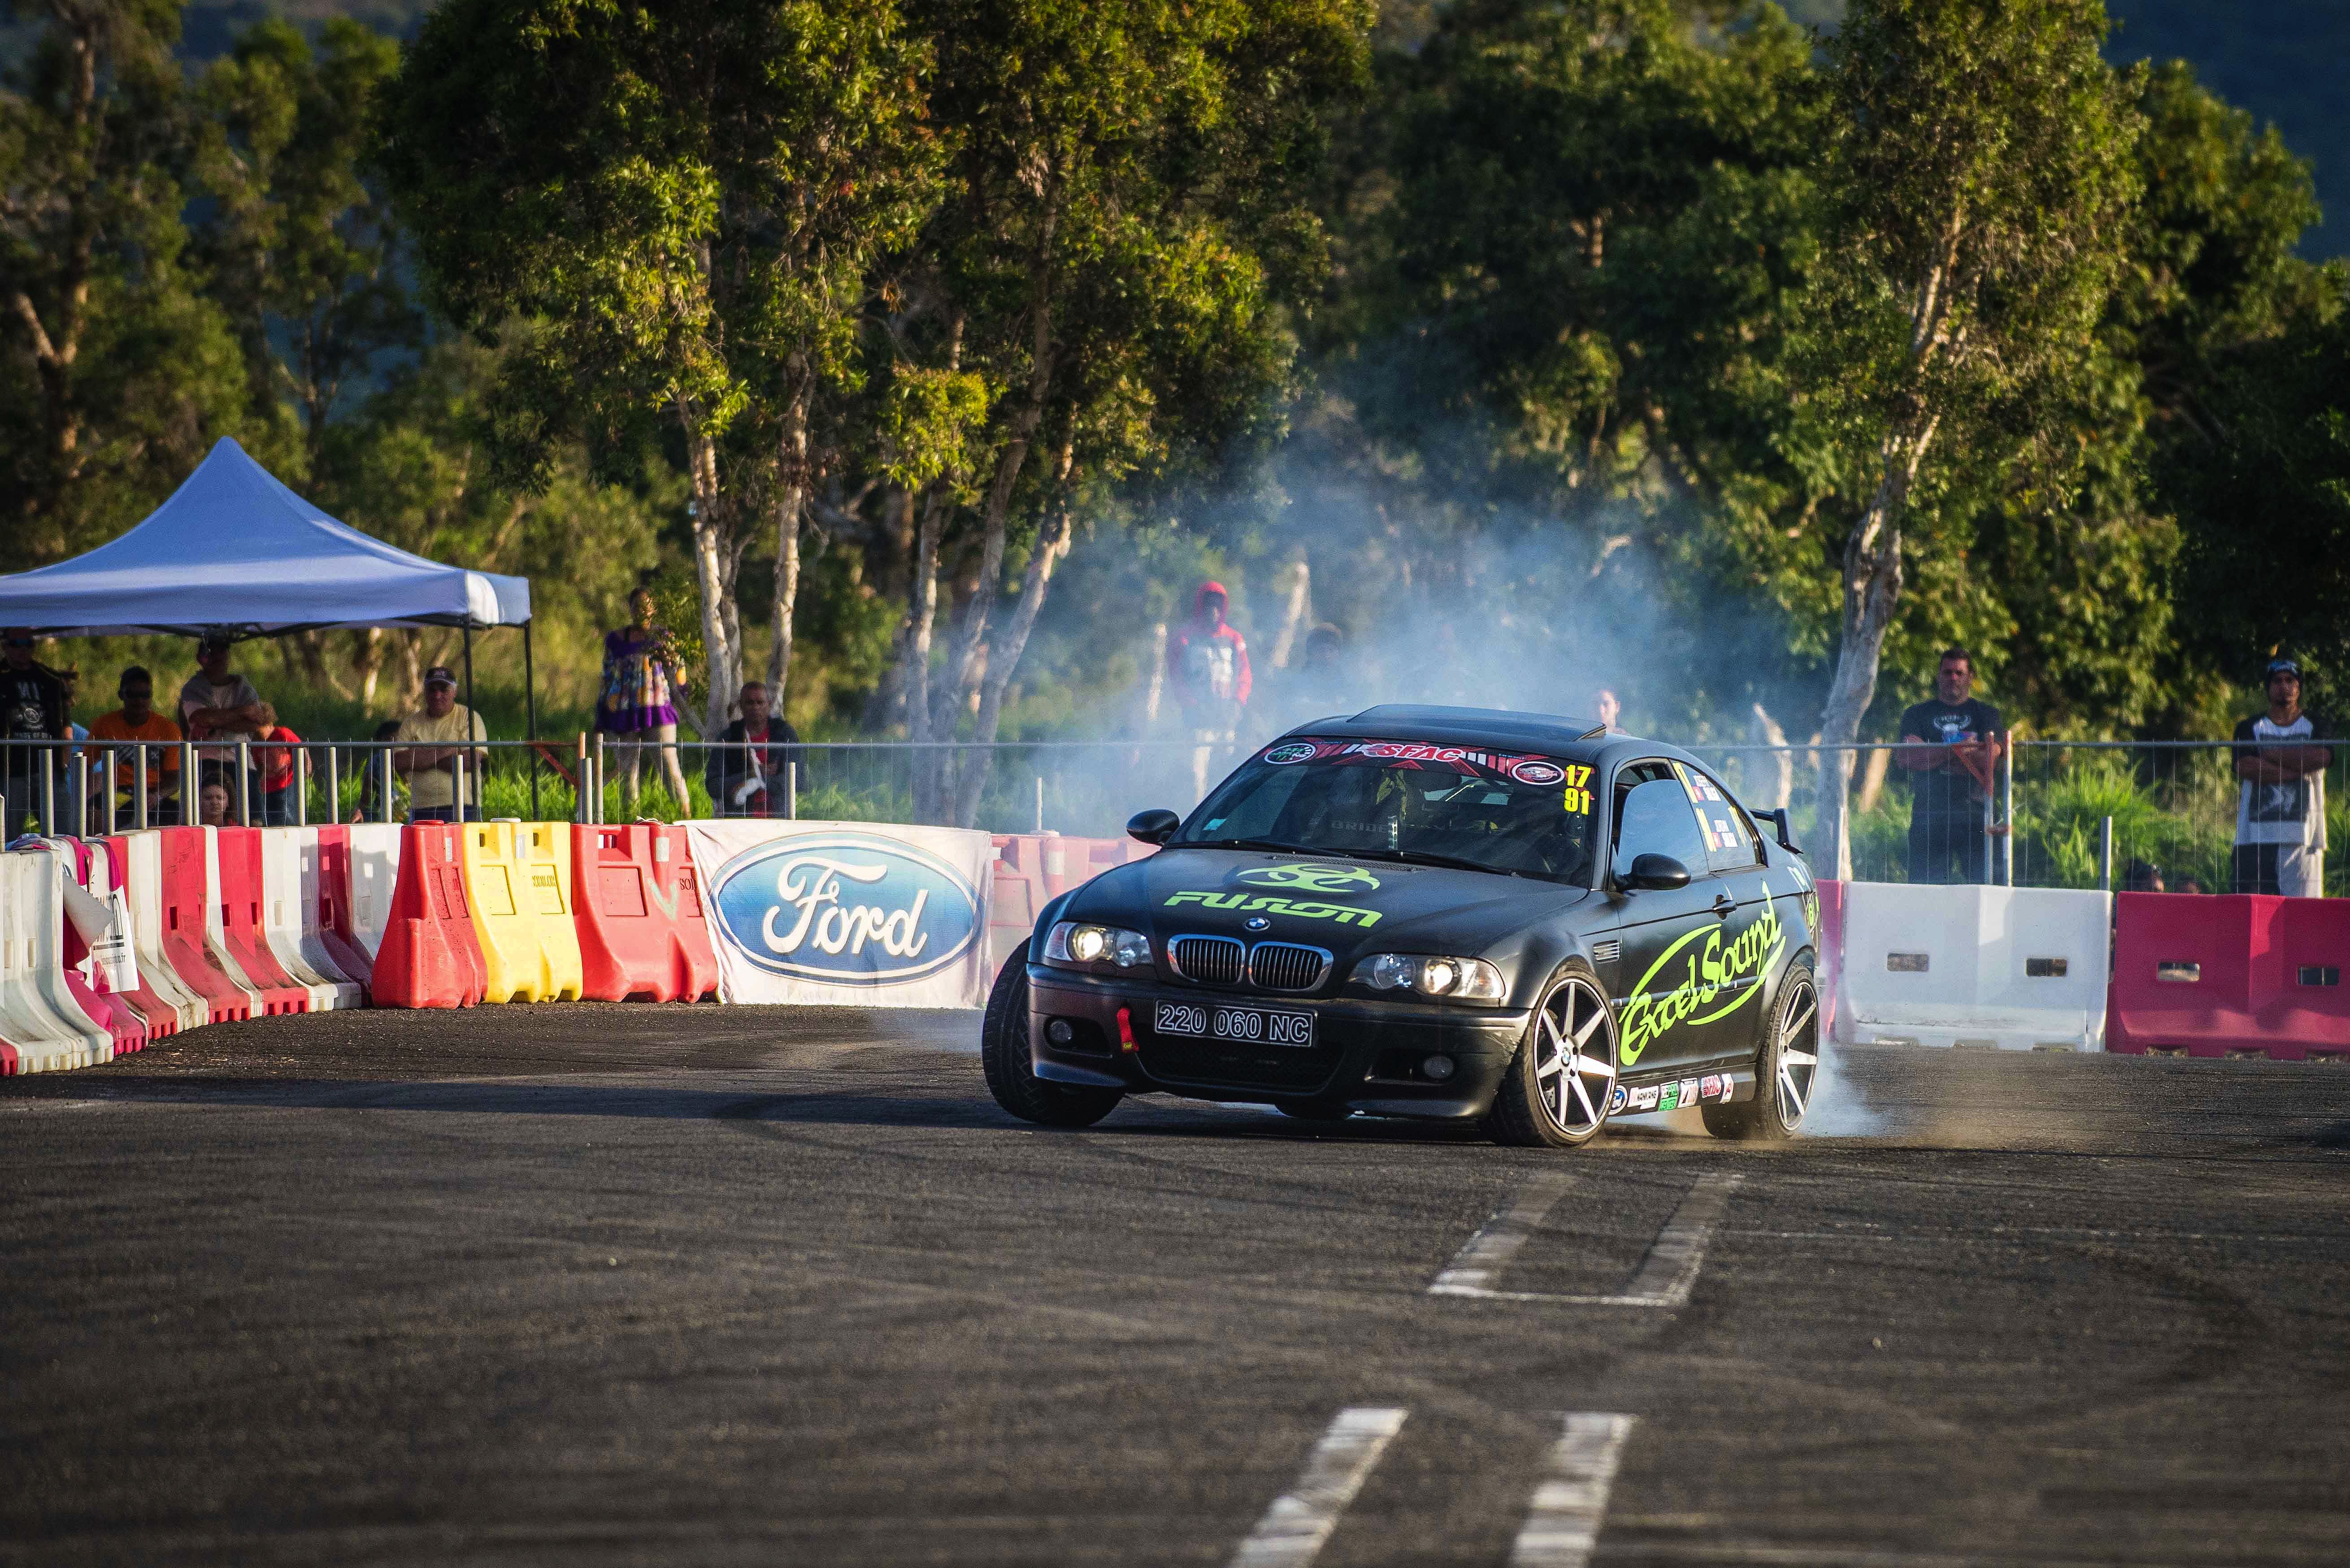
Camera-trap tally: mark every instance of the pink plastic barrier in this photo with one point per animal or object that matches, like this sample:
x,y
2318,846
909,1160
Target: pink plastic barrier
x,y
2237,975
1829,938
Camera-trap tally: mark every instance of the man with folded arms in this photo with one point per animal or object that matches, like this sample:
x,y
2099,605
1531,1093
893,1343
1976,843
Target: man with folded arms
x,y
431,742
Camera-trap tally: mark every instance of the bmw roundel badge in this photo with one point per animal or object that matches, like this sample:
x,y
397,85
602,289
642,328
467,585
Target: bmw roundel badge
x,y
1258,923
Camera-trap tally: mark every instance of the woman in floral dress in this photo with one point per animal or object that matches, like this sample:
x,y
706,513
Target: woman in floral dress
x,y
642,676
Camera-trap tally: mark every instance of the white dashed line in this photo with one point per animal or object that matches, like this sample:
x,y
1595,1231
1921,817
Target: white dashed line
x,y
1571,1501
1476,1266
1300,1520
1666,1276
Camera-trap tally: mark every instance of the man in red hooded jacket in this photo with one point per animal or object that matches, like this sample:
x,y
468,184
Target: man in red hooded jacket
x,y
1207,664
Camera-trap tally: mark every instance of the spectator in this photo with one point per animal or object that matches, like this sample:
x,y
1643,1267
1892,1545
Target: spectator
x,y
134,722
2189,885
1207,664
2143,876
1949,746
2280,805
432,742
745,775
69,677
212,801
216,705
641,675
32,708
372,806
1607,709
273,763
1321,685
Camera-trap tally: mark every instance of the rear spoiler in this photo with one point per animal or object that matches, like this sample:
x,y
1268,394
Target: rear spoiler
x,y
1777,818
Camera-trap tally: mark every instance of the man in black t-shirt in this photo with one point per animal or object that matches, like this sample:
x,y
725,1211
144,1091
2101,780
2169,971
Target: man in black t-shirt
x,y
32,708
745,772
1951,745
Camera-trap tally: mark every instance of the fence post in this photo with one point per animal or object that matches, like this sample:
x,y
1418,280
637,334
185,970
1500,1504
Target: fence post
x,y
48,792
2105,856
334,784
139,809
301,786
2007,813
81,793
598,817
1040,805
245,783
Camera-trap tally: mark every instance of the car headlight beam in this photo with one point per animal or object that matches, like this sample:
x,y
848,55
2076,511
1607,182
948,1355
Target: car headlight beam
x,y
1078,945
1456,978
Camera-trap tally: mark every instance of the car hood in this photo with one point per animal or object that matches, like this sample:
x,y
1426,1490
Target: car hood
x,y
1350,907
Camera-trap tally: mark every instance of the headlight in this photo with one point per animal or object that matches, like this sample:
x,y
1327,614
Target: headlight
x,y
1461,978
1080,945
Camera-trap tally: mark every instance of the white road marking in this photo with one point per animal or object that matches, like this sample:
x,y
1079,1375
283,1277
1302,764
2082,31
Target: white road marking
x,y
1571,1501
1475,1267
1666,1276
1292,1531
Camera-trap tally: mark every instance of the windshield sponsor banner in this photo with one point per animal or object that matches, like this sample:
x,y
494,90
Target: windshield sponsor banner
x,y
1519,766
847,913
1715,979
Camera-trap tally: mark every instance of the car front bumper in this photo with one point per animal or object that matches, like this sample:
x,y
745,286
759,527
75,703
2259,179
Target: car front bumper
x,y
1367,1055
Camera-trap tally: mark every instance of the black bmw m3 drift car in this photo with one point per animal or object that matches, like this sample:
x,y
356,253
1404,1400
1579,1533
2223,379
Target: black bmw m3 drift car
x,y
1451,913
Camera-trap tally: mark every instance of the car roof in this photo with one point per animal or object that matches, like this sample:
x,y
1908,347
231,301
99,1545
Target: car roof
x,y
1554,734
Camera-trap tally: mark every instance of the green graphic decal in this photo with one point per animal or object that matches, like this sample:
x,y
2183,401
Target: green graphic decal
x,y
1345,914
1711,969
1310,878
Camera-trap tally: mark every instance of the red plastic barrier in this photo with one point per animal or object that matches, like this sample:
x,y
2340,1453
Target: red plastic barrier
x,y
630,908
681,887
335,902
187,893
1828,942
122,1021
429,956
238,850
162,1018
2238,975
1033,869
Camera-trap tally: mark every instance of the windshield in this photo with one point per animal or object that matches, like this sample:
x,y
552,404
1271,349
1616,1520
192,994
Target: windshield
x,y
1511,813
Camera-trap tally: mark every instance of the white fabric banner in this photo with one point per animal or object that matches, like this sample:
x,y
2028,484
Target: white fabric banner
x,y
847,914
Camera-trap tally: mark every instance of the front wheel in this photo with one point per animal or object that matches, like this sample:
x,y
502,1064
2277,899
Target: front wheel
x,y
1785,1072
1011,1070
1555,1092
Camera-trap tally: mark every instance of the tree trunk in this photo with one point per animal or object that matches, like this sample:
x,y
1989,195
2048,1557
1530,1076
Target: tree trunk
x,y
714,573
790,497
1052,544
1872,592
1292,614
921,615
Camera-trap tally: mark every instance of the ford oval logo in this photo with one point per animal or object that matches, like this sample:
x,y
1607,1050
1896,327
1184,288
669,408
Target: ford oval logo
x,y
846,909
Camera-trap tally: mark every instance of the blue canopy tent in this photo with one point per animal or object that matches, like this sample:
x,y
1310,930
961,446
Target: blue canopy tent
x,y
234,551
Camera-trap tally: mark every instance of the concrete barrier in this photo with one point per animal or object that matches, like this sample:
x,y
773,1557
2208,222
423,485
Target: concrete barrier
x,y
2016,968
44,1028
519,887
289,918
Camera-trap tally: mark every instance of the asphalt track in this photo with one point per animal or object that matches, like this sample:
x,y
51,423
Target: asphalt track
x,y
611,1285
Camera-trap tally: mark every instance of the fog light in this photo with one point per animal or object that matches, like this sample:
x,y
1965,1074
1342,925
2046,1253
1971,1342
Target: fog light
x,y
1438,1067
1059,1032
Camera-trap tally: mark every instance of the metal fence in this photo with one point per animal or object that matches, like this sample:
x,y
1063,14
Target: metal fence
x,y
2065,813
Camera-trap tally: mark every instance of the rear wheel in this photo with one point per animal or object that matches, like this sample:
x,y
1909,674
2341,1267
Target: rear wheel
x,y
1011,1070
1785,1073
1555,1092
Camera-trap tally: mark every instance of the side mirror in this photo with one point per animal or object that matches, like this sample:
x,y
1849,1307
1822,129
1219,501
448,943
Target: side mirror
x,y
1785,835
1157,826
1660,872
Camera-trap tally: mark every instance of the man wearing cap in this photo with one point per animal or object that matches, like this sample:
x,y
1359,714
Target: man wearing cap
x,y
219,706
2281,804
32,708
431,744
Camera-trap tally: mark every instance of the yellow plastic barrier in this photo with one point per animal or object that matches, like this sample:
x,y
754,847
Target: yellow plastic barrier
x,y
518,880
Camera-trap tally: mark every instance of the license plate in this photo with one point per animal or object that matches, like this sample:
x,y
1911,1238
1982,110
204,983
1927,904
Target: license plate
x,y
1250,1025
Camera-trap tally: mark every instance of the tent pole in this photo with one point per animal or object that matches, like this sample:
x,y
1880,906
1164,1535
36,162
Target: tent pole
x,y
530,716
470,721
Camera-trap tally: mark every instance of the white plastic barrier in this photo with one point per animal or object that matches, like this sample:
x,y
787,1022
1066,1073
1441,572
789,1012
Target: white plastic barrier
x,y
44,1026
375,875
289,916
2017,968
143,885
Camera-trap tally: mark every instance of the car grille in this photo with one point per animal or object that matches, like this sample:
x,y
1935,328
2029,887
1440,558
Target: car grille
x,y
1287,966
1210,961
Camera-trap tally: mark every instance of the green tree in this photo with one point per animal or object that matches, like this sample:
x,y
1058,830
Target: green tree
x,y
687,199
1980,177
116,370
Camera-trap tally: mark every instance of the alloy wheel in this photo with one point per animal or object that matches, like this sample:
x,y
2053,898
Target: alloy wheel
x,y
1575,1056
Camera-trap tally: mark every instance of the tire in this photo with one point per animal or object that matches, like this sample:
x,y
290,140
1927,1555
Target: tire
x,y
1785,1070
1556,1091
1011,1071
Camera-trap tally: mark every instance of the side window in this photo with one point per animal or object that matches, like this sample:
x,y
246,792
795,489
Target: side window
x,y
1653,819
1730,841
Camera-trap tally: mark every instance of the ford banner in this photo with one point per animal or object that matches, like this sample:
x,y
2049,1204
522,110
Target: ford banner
x,y
859,914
